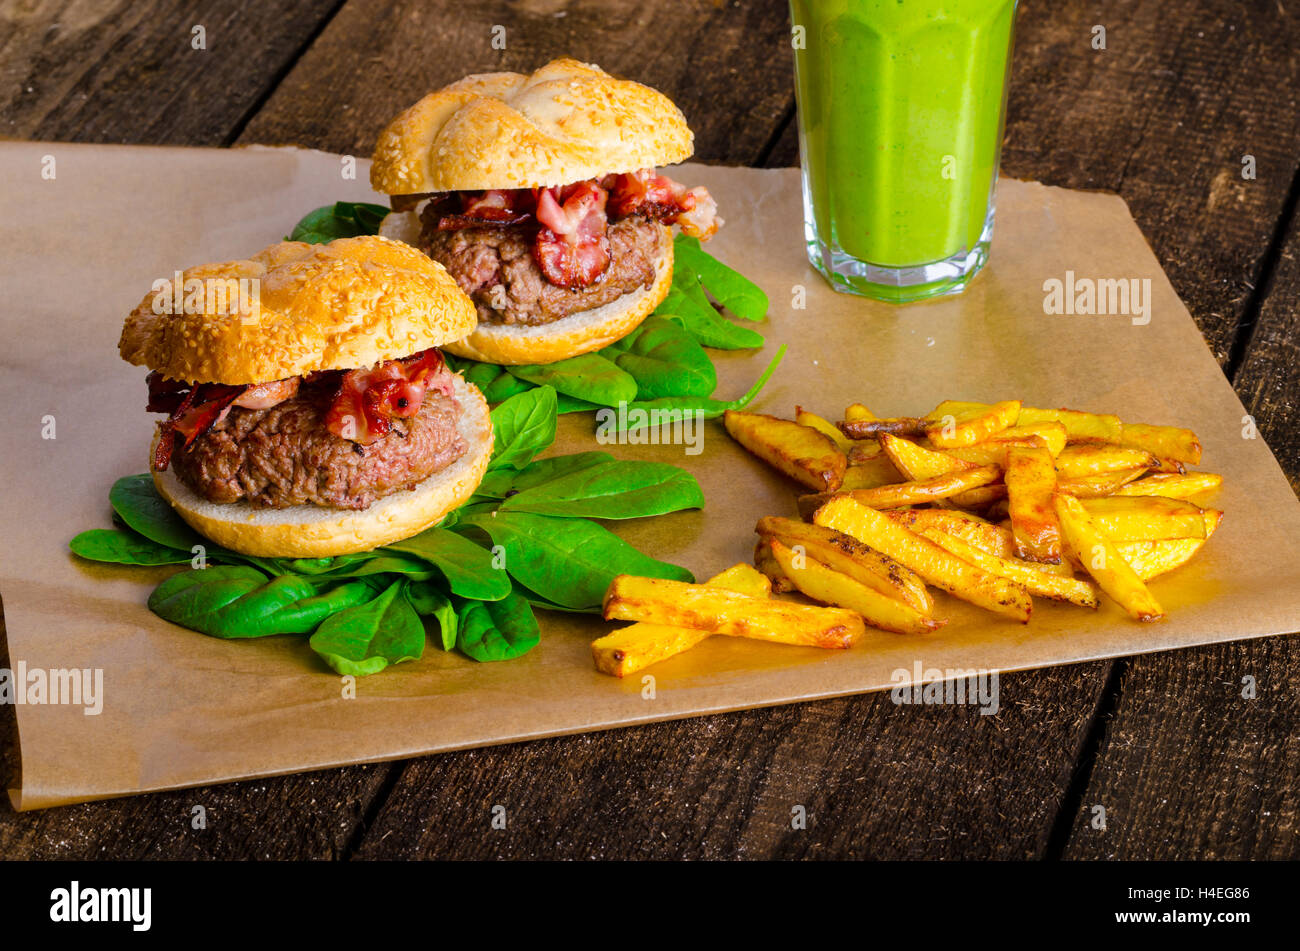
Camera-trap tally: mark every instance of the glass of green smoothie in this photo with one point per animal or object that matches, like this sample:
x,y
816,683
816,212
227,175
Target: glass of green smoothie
x,y
901,106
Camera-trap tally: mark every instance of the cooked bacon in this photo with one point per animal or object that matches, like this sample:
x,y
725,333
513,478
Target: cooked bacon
x,y
571,247
266,395
195,413
644,192
369,398
490,208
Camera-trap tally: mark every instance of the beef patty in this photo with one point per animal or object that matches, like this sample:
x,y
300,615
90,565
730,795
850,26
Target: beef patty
x,y
285,456
495,266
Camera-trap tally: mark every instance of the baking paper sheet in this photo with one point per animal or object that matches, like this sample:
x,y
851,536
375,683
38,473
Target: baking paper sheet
x,y
181,709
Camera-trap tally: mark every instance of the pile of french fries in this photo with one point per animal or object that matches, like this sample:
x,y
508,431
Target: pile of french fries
x,y
994,504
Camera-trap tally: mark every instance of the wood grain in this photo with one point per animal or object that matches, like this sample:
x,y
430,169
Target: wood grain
x,y
715,60
123,71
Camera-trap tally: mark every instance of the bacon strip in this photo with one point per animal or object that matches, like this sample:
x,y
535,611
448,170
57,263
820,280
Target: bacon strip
x,y
572,247
368,399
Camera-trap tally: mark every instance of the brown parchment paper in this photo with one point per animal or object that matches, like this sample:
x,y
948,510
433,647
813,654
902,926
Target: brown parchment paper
x,y
182,709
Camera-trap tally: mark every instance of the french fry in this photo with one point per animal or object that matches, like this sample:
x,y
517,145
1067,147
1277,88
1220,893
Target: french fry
x,y
637,646
1144,518
1100,485
1103,561
1079,426
971,529
869,428
1086,459
804,454
823,583
1031,480
857,413
916,462
1151,558
813,421
993,452
766,563
851,557
927,490
936,565
1052,434
980,497
869,472
1173,485
1042,583
1167,465
1169,442
679,604
951,431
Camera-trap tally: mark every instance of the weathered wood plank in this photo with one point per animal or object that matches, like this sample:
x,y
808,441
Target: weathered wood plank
x,y
129,72
875,780
724,63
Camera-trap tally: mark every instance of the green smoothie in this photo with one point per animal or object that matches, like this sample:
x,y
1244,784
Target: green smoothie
x,y
901,108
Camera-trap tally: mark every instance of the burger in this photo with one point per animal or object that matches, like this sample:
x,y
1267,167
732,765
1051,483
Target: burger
x,y
318,416
539,194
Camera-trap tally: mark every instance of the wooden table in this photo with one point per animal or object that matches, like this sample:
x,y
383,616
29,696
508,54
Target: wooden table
x,y
1184,766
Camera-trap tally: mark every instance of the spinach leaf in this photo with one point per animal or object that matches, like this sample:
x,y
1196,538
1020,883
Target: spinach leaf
x,y
687,304
617,489
496,630
675,409
503,483
343,219
365,638
568,561
139,505
504,387
236,601
481,374
664,360
571,404
729,288
523,426
125,548
467,567
589,377
429,600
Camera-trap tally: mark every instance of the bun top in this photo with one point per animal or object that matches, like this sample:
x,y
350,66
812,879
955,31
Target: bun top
x,y
566,122
294,308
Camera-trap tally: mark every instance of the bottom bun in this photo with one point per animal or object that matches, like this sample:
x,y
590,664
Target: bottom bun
x,y
312,531
578,333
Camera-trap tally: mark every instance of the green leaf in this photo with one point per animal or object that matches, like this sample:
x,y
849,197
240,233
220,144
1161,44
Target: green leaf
x,y
343,219
366,638
589,377
672,410
729,288
504,387
467,567
139,505
688,305
571,404
613,490
237,601
429,600
481,374
523,426
568,561
125,548
497,630
504,482
664,360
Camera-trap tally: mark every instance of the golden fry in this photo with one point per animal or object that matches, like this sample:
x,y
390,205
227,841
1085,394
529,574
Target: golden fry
x,y
802,453
765,563
1079,427
1103,561
869,472
1173,485
851,557
951,431
813,421
1045,584
971,529
928,490
1086,459
1169,442
637,646
679,604
934,564
1143,518
823,583
1031,480
916,462
869,428
1100,485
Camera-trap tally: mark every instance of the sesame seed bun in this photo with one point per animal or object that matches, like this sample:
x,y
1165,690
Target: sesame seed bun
x,y
312,531
566,122
350,303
